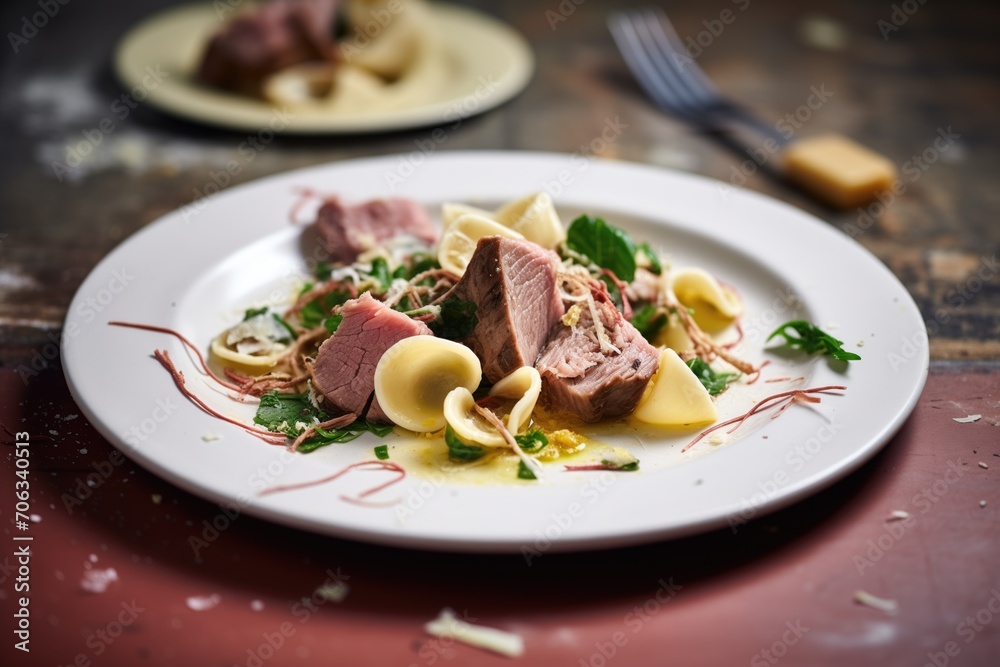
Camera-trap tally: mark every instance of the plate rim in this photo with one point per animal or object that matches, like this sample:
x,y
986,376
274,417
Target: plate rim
x,y
789,495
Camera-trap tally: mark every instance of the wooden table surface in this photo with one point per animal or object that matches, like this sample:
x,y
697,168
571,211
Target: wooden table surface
x,y
896,77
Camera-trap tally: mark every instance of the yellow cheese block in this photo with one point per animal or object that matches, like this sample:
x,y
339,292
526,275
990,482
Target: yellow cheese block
x,y
841,172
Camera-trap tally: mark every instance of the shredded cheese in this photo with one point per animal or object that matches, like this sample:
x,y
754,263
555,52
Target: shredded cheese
x,y
572,316
967,420
333,592
448,625
882,604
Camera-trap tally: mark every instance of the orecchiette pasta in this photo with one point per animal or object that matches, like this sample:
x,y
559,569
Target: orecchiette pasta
x,y
415,375
715,306
675,396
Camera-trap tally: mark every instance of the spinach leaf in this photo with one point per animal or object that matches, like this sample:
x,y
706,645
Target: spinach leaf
x,y
649,320
456,321
254,312
605,245
279,413
331,323
323,270
458,450
812,339
286,326
532,441
714,382
380,272
630,466
653,260
350,432
426,264
318,310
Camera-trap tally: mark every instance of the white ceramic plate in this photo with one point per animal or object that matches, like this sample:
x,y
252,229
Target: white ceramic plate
x,y
489,62
196,270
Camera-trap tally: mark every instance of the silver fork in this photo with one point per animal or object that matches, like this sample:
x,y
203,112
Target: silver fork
x,y
657,57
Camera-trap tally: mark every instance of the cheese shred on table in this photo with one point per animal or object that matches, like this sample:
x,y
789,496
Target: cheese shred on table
x,y
882,604
447,624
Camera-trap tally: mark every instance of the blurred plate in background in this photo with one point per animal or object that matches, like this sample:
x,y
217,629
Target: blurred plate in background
x,y
489,63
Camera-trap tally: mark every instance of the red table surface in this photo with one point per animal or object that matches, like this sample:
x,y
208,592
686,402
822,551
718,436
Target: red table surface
x,y
778,590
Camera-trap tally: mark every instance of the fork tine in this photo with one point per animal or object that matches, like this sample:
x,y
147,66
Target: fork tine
x,y
666,66
624,33
657,57
668,42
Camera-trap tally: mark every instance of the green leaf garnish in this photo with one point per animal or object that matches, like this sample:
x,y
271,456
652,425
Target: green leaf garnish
x,y
613,291
804,336
714,382
630,466
382,452
403,305
649,320
380,272
456,320
524,472
532,441
331,323
254,312
426,264
323,270
318,310
604,245
458,450
652,259
311,314
291,414
286,326
279,413
350,432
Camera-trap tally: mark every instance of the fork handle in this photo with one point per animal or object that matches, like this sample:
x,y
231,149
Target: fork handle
x,y
838,170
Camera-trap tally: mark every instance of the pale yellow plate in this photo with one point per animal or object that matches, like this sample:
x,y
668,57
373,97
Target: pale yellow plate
x,y
490,63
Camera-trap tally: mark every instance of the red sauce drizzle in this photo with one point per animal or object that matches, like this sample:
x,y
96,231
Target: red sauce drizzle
x,y
740,334
187,343
267,436
361,498
756,372
790,397
589,466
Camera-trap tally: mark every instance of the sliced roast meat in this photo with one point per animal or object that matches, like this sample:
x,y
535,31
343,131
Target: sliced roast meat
x,y
255,45
577,376
513,284
344,370
347,231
